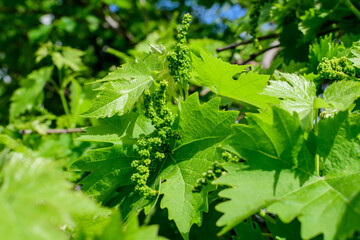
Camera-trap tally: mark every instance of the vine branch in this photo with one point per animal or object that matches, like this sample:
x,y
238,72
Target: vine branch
x,y
234,45
54,131
253,56
351,6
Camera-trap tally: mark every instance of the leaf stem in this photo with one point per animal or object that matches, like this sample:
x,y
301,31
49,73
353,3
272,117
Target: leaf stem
x,y
234,45
351,6
64,102
317,164
54,131
186,93
253,56
61,91
317,157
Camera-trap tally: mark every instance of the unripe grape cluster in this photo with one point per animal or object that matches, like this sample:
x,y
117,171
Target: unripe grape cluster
x,y
215,171
179,61
335,68
153,149
229,157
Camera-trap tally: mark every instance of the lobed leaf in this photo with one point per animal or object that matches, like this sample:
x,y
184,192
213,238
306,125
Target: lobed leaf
x,y
33,212
203,128
109,168
231,80
279,174
29,94
340,95
297,94
123,87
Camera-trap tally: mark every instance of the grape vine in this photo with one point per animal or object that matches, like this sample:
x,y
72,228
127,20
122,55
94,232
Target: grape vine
x,y
200,143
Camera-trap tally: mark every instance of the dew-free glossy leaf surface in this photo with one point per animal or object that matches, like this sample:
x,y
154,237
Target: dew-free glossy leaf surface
x,y
124,86
279,174
231,80
298,95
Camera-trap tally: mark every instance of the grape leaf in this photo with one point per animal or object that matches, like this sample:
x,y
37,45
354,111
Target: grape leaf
x,y
297,94
208,229
355,50
33,212
325,47
280,230
116,229
220,77
69,57
279,175
202,128
110,167
249,230
340,95
123,87
118,130
312,21
336,145
29,94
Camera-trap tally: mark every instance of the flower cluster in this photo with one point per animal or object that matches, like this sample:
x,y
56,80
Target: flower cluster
x,y
215,171
179,61
335,68
228,157
153,149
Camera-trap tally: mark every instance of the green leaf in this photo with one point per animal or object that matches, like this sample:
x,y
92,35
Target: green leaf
x,y
336,145
279,174
208,229
14,145
202,127
123,87
341,95
324,47
220,77
312,21
297,94
355,50
280,230
323,205
110,168
119,130
69,57
29,94
36,201
129,231
249,230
